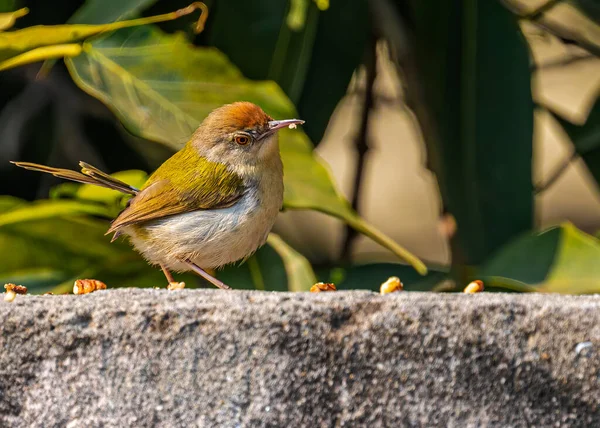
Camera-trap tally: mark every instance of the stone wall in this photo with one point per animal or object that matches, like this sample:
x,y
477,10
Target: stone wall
x,y
209,358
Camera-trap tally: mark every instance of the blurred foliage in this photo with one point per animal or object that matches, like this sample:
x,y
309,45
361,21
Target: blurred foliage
x,y
50,246
466,71
50,242
21,41
8,19
298,270
481,147
562,259
161,87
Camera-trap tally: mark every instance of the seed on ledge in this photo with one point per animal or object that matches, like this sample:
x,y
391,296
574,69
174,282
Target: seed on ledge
x,y
322,286
85,286
9,296
12,290
19,289
392,285
474,287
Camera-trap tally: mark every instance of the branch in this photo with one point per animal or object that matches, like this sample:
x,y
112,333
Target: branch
x,y
361,141
536,14
561,62
556,174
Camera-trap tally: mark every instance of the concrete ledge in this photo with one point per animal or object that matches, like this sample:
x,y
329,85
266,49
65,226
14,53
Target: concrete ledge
x,y
210,358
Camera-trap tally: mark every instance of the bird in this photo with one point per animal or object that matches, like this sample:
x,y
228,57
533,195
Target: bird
x,y
211,204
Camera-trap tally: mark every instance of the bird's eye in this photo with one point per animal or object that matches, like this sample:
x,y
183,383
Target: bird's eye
x,y
242,140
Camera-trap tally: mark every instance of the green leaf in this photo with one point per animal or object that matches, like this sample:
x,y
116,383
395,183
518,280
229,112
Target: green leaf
x,y
105,11
562,259
473,68
161,88
46,243
41,54
45,209
16,42
299,271
264,270
9,202
7,20
65,247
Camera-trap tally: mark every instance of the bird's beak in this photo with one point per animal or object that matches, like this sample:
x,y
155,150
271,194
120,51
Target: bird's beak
x,y
275,125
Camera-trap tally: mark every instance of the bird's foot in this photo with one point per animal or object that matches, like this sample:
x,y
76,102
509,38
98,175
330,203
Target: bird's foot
x,y
214,281
174,285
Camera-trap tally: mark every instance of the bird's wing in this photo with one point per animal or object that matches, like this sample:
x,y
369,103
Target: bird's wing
x,y
194,183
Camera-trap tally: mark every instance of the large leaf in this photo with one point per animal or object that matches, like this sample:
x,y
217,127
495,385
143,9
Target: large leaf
x,y
49,242
8,19
562,259
16,42
264,271
161,88
312,62
48,209
473,68
41,54
105,11
299,272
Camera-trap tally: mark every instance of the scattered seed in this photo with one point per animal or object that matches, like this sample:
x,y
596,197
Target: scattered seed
x,y
474,287
12,290
9,296
85,286
322,286
392,285
19,289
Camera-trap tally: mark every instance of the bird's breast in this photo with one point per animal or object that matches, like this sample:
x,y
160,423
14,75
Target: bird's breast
x,y
214,238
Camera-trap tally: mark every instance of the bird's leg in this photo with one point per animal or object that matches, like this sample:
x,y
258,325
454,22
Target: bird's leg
x,y
173,285
214,281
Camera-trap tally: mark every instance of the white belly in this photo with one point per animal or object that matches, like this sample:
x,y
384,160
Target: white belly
x,y
209,238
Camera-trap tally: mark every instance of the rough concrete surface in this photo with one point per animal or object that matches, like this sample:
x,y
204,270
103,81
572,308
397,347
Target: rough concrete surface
x,y
209,358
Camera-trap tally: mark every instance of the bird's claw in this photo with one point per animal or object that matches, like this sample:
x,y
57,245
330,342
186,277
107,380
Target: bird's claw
x,y
176,286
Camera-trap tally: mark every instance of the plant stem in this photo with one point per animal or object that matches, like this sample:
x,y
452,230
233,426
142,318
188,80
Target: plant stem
x,y
361,141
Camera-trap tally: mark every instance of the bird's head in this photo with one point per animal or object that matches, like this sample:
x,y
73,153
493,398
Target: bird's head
x,y
240,134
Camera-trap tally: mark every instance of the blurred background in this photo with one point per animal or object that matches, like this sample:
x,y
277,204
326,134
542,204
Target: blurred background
x,y
468,132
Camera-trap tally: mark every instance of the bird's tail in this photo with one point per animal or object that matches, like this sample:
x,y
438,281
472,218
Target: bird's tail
x,y
88,175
